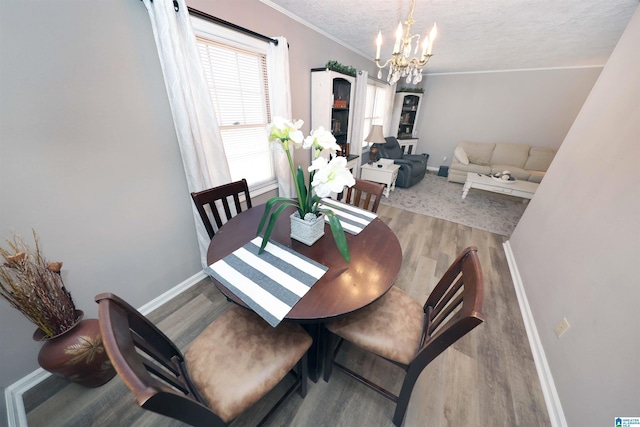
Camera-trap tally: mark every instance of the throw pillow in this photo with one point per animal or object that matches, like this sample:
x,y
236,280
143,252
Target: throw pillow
x,y
461,155
478,153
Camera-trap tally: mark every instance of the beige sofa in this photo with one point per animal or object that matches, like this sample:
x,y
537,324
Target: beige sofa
x,y
523,161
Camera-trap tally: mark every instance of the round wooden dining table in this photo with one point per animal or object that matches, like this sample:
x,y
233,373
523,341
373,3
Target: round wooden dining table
x,y
376,257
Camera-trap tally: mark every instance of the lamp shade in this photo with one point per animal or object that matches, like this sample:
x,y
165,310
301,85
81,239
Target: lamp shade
x,y
375,135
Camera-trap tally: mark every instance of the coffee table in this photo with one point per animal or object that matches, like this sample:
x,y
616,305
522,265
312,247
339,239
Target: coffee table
x,y
517,188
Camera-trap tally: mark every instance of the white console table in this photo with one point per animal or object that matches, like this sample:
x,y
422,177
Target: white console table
x,y
352,162
385,174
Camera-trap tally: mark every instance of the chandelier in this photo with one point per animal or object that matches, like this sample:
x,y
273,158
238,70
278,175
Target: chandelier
x,y
400,65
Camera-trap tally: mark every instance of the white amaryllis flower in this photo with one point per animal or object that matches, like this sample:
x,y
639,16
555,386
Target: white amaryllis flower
x,y
283,130
322,142
330,177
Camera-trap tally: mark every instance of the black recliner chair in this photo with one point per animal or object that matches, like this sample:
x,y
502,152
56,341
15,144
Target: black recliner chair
x,y
413,167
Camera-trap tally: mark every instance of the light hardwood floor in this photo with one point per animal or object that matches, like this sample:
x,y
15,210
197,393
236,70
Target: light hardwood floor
x,y
488,378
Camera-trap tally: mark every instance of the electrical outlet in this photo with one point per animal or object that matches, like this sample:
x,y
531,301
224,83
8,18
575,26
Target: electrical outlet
x,y
562,327
444,159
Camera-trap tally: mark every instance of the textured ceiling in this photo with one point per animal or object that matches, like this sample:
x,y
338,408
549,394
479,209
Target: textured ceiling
x,y
477,35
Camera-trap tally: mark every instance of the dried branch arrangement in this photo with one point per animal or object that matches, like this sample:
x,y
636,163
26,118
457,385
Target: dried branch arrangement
x,y
35,287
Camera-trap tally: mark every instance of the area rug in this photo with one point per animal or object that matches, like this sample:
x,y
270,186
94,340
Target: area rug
x,y
436,197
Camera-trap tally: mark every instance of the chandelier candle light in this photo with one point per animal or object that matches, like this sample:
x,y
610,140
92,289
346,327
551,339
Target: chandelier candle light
x,y
400,65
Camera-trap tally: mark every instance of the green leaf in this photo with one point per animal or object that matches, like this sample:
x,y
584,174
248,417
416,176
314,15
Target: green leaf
x,y
269,205
272,223
311,201
302,210
338,234
314,202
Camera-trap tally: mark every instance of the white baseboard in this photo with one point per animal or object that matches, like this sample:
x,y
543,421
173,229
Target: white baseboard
x,y
176,290
13,394
16,415
554,407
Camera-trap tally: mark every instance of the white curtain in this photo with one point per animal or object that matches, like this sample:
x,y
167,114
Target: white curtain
x,y
198,135
387,126
357,128
280,97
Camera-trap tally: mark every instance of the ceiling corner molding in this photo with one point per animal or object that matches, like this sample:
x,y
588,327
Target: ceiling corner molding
x,y
313,27
515,70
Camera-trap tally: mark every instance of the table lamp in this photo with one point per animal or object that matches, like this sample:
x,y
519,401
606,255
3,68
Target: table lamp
x,y
375,137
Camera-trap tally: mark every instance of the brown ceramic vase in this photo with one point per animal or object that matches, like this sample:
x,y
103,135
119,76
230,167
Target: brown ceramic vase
x,y
77,354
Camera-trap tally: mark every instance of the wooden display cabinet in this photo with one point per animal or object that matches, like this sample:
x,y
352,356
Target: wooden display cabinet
x,y
406,107
332,94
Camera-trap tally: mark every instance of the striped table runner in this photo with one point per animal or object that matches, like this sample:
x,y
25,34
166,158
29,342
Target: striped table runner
x,y
352,218
270,283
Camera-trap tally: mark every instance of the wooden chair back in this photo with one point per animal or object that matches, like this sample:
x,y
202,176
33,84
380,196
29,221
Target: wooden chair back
x,y
220,194
365,194
150,364
453,309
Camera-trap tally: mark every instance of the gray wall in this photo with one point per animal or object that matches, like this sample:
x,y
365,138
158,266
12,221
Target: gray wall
x,y
88,152
530,107
578,249
88,158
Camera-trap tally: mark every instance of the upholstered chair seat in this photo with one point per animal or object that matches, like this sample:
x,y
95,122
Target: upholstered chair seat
x,y
390,327
236,360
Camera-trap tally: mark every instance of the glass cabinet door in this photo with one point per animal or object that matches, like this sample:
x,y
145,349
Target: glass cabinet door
x,y
340,113
408,116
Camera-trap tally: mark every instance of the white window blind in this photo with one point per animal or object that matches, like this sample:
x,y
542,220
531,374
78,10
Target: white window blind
x,y
374,108
238,85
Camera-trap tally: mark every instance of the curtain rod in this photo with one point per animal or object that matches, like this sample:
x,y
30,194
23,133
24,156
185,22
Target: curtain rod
x,y
228,24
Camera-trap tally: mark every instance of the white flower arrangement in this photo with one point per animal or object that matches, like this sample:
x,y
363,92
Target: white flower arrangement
x,y
328,173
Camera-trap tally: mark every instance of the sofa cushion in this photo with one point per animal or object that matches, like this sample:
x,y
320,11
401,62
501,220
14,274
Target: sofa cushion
x,y
478,152
536,176
515,171
510,154
461,155
539,159
471,167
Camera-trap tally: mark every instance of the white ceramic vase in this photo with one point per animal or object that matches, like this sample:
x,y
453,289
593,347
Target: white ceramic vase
x,y
307,232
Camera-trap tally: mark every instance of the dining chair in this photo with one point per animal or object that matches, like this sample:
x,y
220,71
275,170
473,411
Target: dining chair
x,y
221,193
410,336
365,194
235,361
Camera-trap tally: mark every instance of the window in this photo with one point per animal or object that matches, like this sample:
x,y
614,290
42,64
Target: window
x,y
375,107
235,68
